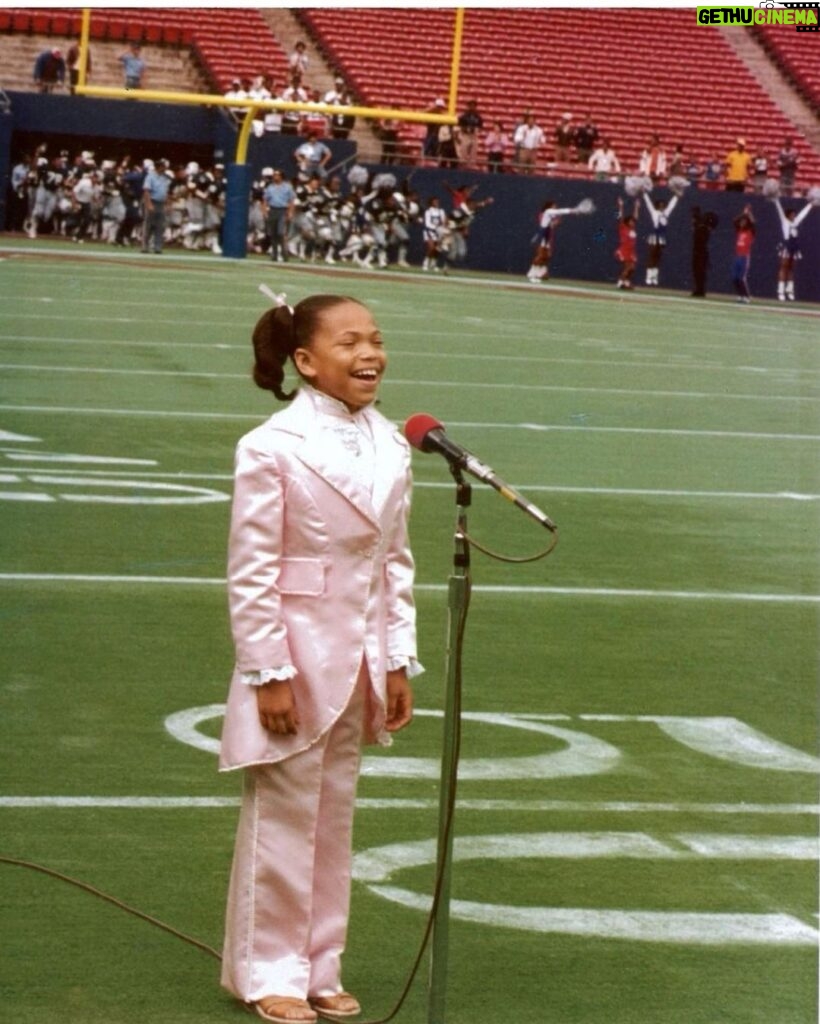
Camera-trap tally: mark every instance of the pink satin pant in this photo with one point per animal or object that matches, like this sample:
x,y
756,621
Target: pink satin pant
x,y
289,894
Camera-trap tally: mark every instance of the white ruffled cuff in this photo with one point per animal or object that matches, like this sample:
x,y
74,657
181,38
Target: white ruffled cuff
x,y
414,668
268,675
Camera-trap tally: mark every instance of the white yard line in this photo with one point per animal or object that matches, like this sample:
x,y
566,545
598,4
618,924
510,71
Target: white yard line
x,y
621,593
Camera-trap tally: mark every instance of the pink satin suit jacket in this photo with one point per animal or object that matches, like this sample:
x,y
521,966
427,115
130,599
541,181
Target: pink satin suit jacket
x,y
319,577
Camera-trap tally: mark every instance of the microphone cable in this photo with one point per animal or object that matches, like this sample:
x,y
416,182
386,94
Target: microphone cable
x,y
449,813
510,559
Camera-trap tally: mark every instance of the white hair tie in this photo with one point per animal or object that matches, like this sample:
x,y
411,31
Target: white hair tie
x,y
277,300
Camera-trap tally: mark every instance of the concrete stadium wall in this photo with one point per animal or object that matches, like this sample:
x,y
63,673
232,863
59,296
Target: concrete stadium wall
x,y
500,238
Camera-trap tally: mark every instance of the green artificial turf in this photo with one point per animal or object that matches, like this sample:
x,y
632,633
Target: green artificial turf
x,y
675,443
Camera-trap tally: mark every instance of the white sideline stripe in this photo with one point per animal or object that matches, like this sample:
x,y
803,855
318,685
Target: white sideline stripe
x,y
725,303
393,381
399,803
213,581
637,492
542,427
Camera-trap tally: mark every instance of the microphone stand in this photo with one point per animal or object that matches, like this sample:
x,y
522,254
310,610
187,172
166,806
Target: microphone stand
x,y
458,603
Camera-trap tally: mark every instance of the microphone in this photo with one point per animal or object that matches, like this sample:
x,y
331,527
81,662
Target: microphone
x,y
428,435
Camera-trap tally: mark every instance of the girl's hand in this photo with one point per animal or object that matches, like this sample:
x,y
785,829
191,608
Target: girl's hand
x,y
277,708
399,701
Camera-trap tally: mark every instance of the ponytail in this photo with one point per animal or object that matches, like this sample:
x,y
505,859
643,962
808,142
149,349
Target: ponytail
x,y
280,331
273,341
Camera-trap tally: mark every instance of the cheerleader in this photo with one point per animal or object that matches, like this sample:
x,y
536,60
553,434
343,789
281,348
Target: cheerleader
x,y
434,230
788,250
548,220
656,239
627,239
745,231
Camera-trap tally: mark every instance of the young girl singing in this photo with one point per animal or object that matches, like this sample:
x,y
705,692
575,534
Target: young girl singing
x,y
320,589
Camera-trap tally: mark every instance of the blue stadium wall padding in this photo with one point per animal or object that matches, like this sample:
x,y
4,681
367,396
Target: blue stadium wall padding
x,y
235,226
500,237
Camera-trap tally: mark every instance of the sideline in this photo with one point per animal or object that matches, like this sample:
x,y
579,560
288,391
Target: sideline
x,y
554,287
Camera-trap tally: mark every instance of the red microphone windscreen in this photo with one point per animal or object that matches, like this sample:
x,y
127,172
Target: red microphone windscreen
x,y
419,426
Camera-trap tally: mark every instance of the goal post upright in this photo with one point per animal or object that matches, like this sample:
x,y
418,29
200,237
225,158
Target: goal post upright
x,y
238,173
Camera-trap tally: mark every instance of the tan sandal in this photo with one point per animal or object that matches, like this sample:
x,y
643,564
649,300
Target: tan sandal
x,y
341,1005
285,1010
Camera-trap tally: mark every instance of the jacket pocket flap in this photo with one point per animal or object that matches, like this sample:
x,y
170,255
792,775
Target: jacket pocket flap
x,y
305,576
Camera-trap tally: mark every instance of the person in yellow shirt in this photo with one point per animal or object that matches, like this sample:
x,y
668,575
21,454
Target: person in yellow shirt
x,y
738,163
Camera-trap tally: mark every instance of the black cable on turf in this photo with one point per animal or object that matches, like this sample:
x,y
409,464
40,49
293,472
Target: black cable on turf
x,y
450,811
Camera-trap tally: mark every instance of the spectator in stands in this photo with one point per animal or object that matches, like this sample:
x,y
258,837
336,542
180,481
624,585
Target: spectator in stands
x,y
470,124
279,199
314,122
586,139
564,136
677,165
154,194
312,158
237,91
738,163
298,59
760,170
745,230
388,132
496,145
342,123
448,145
430,147
713,172
604,162
49,70
703,224
787,167
529,137
260,90
694,171
653,159
133,66
335,95
72,60
294,93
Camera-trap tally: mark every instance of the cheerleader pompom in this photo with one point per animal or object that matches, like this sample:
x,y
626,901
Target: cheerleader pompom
x,y
635,184
813,195
358,176
585,206
384,182
678,185
771,188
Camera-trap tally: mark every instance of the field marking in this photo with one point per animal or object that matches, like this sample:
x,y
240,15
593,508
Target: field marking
x,y
531,591
638,492
472,425
420,804
415,382
375,866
